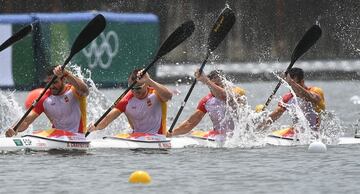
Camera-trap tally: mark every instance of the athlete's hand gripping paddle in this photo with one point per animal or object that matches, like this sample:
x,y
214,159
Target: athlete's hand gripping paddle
x,y
177,37
88,34
306,42
222,26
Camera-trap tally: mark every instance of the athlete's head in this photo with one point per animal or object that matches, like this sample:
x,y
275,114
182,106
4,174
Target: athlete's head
x,y
58,85
297,75
217,76
139,90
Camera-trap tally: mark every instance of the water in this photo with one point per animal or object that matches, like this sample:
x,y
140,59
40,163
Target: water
x,y
197,170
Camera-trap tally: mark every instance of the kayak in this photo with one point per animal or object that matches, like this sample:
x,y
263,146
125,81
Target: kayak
x,y
148,141
133,141
285,137
45,140
55,139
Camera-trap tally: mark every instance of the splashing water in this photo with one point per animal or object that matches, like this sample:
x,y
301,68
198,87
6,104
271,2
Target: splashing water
x,y
10,111
346,26
97,105
245,120
301,125
246,133
330,128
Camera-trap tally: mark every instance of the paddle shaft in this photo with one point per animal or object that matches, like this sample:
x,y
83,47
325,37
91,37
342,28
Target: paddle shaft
x,y
16,37
221,28
113,105
188,94
123,95
87,35
306,42
277,86
41,95
175,38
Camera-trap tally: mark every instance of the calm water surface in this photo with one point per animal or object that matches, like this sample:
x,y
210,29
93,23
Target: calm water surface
x,y
198,170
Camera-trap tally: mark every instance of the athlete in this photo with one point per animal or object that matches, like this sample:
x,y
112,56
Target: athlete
x,y
310,99
144,106
214,104
64,103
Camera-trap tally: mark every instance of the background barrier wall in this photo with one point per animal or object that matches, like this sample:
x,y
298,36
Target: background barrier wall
x,y
17,62
128,41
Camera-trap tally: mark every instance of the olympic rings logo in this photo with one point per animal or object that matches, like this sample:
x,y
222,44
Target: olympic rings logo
x,y
95,53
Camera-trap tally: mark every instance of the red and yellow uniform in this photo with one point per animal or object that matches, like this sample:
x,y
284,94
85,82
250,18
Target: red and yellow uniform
x,y
310,110
147,115
217,110
66,111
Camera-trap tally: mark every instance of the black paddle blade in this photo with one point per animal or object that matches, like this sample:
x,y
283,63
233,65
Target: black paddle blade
x,y
16,37
177,37
88,34
307,41
221,28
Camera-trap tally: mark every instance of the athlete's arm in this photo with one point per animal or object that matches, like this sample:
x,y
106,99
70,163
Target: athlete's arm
x,y
80,86
113,114
189,123
216,90
162,92
276,114
24,125
303,92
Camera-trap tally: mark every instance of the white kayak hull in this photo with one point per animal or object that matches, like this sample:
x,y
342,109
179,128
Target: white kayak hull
x,y
176,142
40,144
43,144
278,141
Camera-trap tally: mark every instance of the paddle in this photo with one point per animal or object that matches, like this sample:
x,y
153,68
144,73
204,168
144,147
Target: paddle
x,y
222,26
307,41
177,37
88,34
16,37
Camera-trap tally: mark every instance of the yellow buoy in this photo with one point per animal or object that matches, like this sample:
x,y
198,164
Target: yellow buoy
x,y
259,108
140,176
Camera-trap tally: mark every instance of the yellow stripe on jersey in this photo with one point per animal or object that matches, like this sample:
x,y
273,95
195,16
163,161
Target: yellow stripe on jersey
x,y
163,117
163,112
239,91
83,121
321,105
83,105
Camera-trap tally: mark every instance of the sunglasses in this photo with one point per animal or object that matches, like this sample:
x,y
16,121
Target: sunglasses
x,y
137,87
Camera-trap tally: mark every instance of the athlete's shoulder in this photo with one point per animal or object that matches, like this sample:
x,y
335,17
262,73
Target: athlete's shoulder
x,y
39,107
239,91
203,101
206,98
121,105
316,90
128,96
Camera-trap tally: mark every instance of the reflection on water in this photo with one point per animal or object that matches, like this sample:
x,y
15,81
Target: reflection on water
x,y
59,152
150,151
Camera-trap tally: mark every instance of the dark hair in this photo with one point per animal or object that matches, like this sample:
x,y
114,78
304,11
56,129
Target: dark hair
x,y
215,74
133,74
296,73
